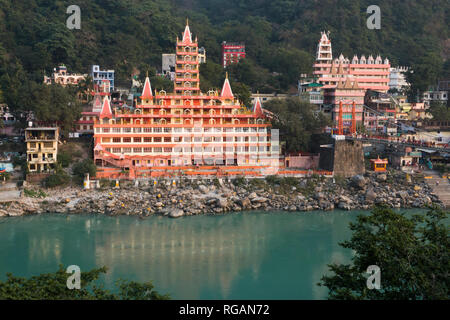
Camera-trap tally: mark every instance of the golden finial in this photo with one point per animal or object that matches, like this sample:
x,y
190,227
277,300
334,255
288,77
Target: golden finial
x,y
187,21
226,75
147,73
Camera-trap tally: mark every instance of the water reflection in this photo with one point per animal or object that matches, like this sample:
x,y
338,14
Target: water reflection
x,y
236,256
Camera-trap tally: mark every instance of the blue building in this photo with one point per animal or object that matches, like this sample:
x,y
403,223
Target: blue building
x,y
99,76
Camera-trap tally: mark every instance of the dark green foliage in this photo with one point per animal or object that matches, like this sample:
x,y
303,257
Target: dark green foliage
x,y
296,122
59,178
440,111
86,166
280,37
64,159
53,286
413,254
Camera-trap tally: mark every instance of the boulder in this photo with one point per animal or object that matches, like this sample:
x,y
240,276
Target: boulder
x,y
259,200
371,195
203,189
382,177
221,203
176,213
359,181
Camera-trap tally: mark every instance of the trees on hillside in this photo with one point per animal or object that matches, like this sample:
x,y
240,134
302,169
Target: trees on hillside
x,y
297,122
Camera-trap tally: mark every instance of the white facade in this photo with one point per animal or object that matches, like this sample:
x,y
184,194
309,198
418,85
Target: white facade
x,y
397,78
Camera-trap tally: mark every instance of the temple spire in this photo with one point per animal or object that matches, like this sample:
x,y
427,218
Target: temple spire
x,y
147,91
226,89
257,109
106,109
187,36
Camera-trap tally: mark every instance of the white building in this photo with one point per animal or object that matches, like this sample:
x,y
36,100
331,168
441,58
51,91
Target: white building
x,y
397,79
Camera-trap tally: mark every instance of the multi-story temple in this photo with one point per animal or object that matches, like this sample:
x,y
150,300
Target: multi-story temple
x,y
186,127
371,73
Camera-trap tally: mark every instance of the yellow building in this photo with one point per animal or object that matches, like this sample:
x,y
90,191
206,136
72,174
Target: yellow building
x,y
42,148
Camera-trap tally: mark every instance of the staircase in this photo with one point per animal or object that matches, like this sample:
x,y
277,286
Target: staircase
x,y
442,190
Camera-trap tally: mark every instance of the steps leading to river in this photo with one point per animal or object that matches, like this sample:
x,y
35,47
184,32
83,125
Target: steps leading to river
x,y
442,190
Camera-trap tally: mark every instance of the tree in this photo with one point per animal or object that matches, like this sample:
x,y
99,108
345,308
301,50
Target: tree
x,y
86,166
413,255
53,286
296,122
439,111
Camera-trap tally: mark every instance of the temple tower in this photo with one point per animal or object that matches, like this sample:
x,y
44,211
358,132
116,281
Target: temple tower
x,y
324,53
187,77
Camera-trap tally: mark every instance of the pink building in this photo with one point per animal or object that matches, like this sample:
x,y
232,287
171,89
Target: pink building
x,y
371,73
348,92
302,161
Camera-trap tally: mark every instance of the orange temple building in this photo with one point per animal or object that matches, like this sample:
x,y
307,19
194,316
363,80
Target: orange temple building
x,y
186,128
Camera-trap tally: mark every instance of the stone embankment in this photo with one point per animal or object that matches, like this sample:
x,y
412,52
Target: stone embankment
x,y
194,197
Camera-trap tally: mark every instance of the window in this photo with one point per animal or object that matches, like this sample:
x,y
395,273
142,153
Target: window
x,y
116,150
105,130
116,130
137,150
137,139
126,130
126,140
147,139
126,150
157,139
116,140
147,150
167,139
147,130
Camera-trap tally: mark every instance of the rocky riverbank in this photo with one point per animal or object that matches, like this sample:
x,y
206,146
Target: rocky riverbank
x,y
216,196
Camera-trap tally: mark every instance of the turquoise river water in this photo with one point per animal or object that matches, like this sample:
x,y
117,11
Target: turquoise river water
x,y
234,256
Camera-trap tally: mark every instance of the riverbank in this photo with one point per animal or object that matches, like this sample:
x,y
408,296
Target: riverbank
x,y
176,198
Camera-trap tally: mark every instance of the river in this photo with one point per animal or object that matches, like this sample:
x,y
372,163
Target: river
x,y
256,255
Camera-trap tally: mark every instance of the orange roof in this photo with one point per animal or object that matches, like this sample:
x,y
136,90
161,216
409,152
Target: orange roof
x,y
226,89
106,109
147,91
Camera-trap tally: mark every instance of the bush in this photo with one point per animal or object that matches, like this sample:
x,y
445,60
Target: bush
x,y
34,194
86,166
64,159
57,179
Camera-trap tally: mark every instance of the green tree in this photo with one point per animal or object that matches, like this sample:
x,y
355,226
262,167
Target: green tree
x,y
412,253
53,286
296,122
439,111
79,169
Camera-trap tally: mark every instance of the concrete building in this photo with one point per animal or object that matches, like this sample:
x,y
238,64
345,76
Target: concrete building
x,y
168,65
232,52
380,111
201,55
42,148
99,77
397,79
371,73
264,97
60,76
435,96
